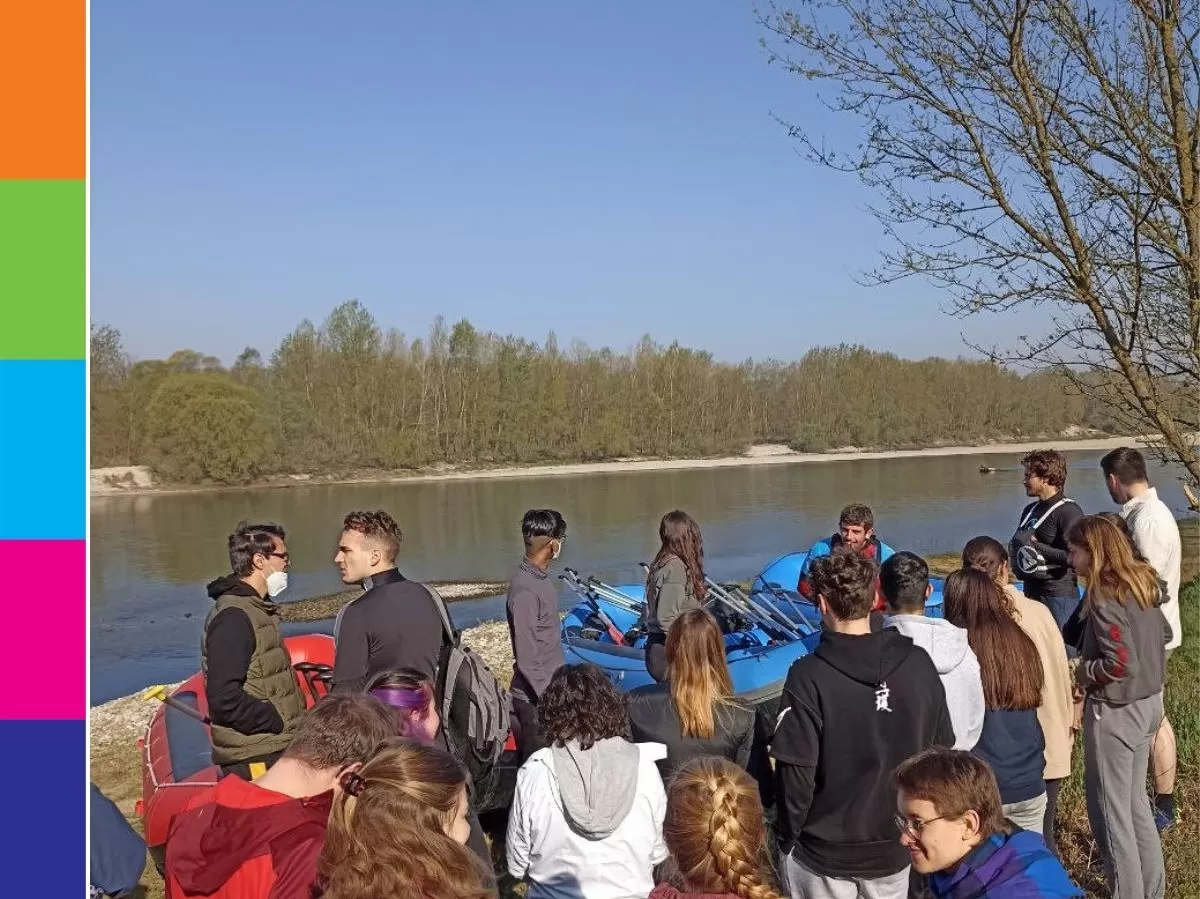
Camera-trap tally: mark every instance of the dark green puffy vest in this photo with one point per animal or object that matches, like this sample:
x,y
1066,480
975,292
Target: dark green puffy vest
x,y
270,676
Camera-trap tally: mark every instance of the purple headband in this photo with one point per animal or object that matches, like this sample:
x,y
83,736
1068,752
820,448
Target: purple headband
x,y
400,698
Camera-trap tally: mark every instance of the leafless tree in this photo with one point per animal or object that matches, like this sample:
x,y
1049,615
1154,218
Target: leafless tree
x,y
1033,153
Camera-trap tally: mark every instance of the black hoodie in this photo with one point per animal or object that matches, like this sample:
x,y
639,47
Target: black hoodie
x,y
231,646
850,713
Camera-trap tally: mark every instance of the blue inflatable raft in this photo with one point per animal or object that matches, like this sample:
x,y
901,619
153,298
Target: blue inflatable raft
x,y
759,647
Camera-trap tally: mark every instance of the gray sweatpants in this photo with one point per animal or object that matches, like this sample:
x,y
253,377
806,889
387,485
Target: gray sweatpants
x,y
1027,815
803,883
1116,740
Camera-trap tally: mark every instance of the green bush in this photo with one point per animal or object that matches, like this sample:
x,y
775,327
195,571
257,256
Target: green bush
x,y
809,439
205,427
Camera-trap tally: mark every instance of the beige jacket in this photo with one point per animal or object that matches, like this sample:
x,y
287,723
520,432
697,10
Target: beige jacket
x,y
1057,709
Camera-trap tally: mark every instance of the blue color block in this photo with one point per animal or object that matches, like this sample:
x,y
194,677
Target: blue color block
x,y
45,852
43,449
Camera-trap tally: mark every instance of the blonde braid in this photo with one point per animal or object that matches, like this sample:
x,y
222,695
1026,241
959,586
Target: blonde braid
x,y
715,830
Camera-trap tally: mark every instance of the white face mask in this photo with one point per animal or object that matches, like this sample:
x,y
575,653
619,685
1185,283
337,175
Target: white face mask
x,y
276,583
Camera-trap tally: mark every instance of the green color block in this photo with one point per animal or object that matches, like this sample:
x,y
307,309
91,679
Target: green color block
x,y
43,270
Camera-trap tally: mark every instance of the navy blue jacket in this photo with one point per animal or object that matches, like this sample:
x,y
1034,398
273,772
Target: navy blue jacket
x,y
1013,744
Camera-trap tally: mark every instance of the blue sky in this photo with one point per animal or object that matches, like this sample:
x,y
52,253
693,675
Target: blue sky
x,y
602,170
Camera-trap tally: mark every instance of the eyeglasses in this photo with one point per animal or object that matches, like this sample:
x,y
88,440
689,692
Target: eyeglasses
x,y
285,556
914,826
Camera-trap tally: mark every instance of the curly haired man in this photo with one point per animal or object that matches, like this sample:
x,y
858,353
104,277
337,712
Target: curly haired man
x,y
1039,545
832,768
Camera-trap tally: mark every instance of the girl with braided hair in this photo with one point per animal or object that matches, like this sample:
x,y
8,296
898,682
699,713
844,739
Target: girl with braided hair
x,y
399,827
715,831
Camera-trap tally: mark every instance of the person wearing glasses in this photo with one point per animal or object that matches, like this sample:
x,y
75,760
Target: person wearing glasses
x,y
254,701
950,821
533,623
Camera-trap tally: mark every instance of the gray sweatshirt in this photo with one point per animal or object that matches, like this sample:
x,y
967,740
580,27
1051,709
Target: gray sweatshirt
x,y
1123,653
535,630
668,595
597,785
958,668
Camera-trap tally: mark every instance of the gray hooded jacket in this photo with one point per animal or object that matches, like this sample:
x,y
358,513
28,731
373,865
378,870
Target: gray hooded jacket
x,y
957,666
597,785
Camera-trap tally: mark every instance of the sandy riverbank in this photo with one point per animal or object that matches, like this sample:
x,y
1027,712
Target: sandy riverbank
x,y
138,480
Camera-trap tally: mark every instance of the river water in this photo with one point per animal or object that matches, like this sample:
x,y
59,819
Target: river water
x,y
152,555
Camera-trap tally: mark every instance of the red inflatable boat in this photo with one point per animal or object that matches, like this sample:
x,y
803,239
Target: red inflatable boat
x,y
177,747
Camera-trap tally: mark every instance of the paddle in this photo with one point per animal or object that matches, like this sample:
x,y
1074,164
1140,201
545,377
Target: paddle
x,y
159,692
613,633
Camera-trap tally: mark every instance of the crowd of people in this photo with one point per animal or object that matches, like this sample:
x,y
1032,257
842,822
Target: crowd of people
x,y
908,755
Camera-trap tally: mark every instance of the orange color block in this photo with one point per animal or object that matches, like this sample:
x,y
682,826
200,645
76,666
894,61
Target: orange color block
x,y
43,89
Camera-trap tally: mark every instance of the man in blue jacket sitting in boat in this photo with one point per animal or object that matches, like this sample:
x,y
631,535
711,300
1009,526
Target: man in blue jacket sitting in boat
x,y
856,531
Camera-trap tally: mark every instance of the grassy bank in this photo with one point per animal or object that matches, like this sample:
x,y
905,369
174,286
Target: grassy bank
x,y
115,726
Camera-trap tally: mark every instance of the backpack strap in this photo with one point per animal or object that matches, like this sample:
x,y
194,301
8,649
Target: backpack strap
x,y
1034,525
440,604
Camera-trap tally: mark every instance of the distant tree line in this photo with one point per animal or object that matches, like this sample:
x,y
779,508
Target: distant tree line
x,y
350,396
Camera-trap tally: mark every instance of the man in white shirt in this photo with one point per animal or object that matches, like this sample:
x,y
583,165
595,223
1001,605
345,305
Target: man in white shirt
x,y
1156,536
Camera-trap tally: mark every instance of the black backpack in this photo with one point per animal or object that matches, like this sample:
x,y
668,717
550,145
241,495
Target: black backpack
x,y
474,708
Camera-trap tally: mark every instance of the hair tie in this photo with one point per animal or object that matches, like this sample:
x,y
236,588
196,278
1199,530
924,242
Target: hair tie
x,y
353,783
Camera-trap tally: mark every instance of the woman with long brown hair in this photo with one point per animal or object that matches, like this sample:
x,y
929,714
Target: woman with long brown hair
x,y
1012,741
674,585
398,828
716,833
1121,671
694,713
1056,711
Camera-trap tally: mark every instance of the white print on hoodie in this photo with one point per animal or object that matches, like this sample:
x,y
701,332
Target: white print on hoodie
x,y
946,644
616,858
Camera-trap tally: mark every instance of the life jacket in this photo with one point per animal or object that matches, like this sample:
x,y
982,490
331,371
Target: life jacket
x,y
872,550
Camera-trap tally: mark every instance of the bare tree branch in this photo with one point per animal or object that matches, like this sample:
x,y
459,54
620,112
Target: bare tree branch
x,y
1042,154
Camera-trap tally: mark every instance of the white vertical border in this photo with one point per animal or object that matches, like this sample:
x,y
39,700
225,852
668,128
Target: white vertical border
x,y
87,426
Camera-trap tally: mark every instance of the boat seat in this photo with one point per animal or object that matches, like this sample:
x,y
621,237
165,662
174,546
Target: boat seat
x,y
314,674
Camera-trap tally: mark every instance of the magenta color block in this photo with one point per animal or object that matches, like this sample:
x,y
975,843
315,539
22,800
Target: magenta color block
x,y
43,640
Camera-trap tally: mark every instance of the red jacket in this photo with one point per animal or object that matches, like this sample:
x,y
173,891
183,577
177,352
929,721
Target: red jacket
x,y
240,841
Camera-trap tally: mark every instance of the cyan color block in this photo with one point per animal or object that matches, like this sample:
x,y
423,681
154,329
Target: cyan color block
x,y
43,449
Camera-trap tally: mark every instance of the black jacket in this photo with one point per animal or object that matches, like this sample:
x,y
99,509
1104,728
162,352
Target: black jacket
x,y
850,713
1050,539
653,718
231,646
392,625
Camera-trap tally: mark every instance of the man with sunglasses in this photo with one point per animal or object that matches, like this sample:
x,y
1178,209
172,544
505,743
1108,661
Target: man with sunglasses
x,y
254,701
